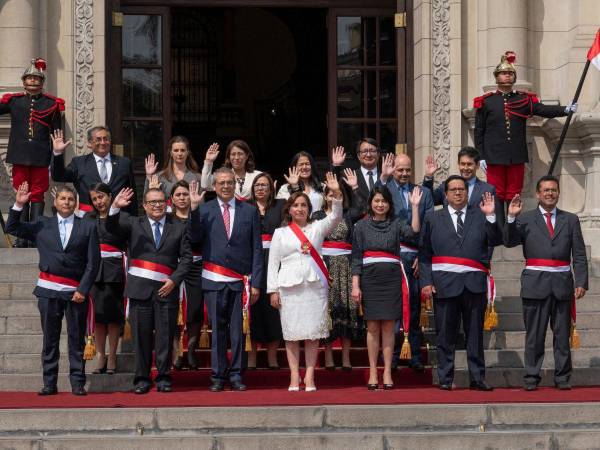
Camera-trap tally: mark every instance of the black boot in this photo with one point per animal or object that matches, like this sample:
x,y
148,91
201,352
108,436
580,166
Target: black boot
x,y
193,339
20,242
500,212
37,210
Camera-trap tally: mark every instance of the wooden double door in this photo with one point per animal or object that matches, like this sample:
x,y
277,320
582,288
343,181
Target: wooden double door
x,y
285,75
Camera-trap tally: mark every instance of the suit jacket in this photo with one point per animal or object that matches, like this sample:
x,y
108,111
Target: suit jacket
x,y
438,238
174,251
82,171
79,260
33,118
363,187
242,252
480,187
501,122
529,229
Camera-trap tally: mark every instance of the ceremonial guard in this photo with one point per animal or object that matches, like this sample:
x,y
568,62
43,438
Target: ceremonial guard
x,y
552,242
500,124
34,115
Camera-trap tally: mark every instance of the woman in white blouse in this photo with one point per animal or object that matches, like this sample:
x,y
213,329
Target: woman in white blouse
x,y
303,177
296,286
240,159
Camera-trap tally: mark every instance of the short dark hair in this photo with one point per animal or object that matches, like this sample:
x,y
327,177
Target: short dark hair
x,y
387,196
454,178
100,187
368,140
181,183
65,188
153,190
470,152
243,146
93,130
287,218
546,178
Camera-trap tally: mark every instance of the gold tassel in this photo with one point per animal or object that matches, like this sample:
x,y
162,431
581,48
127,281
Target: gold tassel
x,y
405,353
89,352
180,348
248,347
493,317
486,319
429,304
360,310
204,338
127,331
424,319
574,340
180,314
246,322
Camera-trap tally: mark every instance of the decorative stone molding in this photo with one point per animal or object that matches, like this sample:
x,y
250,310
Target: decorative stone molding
x,y
440,31
84,73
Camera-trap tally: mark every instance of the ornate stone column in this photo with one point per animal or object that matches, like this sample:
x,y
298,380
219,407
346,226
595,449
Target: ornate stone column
x,y
84,72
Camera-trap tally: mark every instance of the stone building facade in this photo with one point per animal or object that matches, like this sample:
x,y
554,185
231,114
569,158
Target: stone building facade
x,y
455,46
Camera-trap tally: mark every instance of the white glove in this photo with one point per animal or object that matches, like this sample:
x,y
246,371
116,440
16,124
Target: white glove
x,y
483,166
571,107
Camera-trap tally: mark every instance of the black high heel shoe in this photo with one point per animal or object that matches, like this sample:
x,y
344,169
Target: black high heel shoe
x,y
372,386
102,369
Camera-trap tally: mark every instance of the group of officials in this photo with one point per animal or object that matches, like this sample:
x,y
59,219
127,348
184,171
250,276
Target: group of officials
x,y
450,264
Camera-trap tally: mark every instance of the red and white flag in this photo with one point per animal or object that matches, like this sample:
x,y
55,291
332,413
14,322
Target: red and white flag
x,y
593,55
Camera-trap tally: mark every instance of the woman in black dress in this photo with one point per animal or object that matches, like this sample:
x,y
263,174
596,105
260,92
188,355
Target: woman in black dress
x,y
377,274
265,324
107,290
194,312
346,323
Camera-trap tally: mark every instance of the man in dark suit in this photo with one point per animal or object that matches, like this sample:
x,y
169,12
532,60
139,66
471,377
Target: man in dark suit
x,y
550,237
395,174
99,166
69,259
453,261
160,255
230,233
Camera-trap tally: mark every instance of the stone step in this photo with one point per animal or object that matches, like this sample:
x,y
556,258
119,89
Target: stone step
x,y
27,363
581,358
513,377
514,321
19,272
16,291
32,382
515,340
589,303
582,439
11,256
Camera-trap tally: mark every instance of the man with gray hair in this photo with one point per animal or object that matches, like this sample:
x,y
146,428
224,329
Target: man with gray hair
x,y
99,166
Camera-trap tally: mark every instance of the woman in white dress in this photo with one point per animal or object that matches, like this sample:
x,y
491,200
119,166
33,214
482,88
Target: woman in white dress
x,y
296,285
240,159
302,177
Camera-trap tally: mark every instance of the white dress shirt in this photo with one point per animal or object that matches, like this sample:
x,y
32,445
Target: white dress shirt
x,y
552,218
231,204
366,176
108,165
161,226
454,217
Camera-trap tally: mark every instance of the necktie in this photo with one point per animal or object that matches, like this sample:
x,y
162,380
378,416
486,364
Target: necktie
x,y
157,234
371,180
403,196
226,218
62,228
103,171
460,225
549,224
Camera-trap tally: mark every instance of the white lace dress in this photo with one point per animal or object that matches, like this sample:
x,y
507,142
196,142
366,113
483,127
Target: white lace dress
x,y
303,298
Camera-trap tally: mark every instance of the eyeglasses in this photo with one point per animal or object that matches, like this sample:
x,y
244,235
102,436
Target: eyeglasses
x,y
156,202
225,183
456,190
261,186
101,140
549,191
368,151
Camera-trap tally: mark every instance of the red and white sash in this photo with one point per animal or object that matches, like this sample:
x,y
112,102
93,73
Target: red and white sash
x,y
214,272
149,270
405,248
57,283
266,240
336,248
241,199
547,265
315,259
374,257
85,207
464,265
109,251
196,256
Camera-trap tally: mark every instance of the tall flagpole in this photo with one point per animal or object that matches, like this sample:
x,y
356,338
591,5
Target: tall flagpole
x,y
568,121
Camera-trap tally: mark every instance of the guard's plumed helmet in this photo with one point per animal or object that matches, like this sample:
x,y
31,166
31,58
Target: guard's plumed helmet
x,y
37,68
507,64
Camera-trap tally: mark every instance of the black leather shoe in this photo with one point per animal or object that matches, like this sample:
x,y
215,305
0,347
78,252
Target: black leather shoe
x,y
48,390
142,389
238,386
164,388
217,386
388,387
445,387
530,387
372,386
417,367
563,386
480,386
79,390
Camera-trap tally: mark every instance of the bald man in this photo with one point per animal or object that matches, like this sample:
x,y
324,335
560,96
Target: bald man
x,y
396,172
